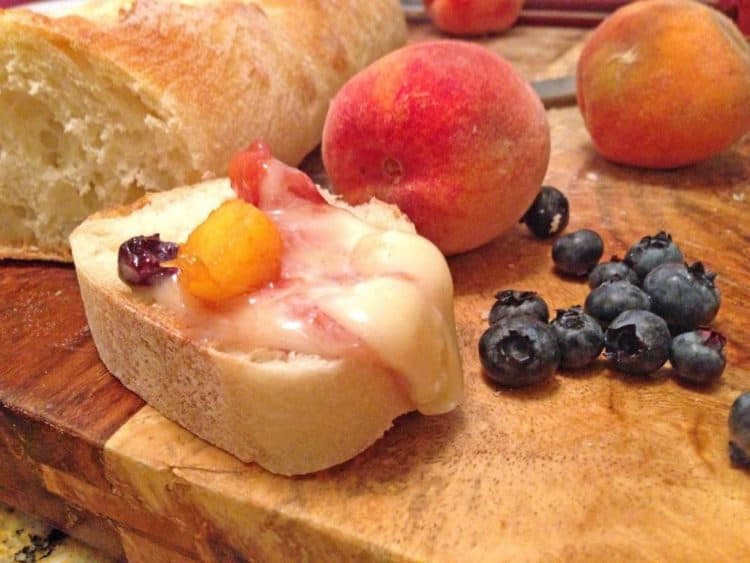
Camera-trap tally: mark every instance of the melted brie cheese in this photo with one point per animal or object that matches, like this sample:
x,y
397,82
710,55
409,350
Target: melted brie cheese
x,y
348,289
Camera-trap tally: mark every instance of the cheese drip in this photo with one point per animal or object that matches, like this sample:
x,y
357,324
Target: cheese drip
x,y
348,289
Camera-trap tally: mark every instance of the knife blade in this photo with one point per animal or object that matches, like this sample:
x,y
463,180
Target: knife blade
x,y
414,10
559,91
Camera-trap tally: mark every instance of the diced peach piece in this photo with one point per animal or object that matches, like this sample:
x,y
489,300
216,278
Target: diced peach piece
x,y
236,250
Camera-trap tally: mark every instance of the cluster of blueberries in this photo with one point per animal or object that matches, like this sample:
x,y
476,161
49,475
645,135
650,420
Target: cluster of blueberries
x,y
643,310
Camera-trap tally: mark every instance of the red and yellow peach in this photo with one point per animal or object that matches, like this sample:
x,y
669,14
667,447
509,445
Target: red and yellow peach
x,y
446,130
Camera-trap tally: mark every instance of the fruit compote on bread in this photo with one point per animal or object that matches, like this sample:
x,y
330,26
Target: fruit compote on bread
x,y
278,270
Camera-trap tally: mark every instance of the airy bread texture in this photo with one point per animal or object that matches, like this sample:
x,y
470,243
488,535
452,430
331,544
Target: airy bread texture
x,y
290,413
130,97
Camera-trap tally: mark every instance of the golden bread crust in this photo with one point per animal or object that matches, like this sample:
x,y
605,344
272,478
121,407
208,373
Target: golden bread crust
x,y
234,71
207,76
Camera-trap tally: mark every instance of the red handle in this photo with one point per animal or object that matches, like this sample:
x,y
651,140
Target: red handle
x,y
588,13
575,5
739,11
11,3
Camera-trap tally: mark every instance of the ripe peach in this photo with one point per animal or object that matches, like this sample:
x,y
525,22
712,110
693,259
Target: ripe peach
x,y
472,17
664,83
448,132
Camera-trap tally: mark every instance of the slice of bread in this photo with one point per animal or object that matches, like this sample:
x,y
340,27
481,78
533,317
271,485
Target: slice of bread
x,y
291,413
127,97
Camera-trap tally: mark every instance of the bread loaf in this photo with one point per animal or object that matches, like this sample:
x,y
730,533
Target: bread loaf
x,y
290,411
131,97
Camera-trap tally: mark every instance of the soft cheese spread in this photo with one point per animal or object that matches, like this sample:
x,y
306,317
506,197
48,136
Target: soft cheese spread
x,y
349,289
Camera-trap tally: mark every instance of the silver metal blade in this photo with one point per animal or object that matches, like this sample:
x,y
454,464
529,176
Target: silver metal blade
x,y
556,91
414,10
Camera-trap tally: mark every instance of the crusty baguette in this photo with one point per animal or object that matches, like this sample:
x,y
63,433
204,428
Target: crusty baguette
x,y
146,95
289,412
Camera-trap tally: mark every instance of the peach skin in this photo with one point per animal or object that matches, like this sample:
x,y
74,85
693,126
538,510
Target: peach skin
x,y
664,83
473,17
447,131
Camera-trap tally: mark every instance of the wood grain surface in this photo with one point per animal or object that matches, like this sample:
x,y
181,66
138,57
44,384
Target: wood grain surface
x,y
592,465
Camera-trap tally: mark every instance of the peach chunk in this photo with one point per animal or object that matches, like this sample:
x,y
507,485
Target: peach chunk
x,y
664,83
236,250
473,17
446,130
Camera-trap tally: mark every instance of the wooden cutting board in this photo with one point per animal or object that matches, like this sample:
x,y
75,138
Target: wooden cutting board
x,y
593,465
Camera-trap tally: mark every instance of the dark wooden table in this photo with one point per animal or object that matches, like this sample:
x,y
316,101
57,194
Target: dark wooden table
x,y
590,466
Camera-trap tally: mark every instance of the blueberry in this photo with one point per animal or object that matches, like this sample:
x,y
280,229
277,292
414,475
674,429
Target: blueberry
x,y
637,342
513,303
698,356
519,351
614,270
684,296
139,259
739,431
650,252
548,214
578,252
579,337
611,298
